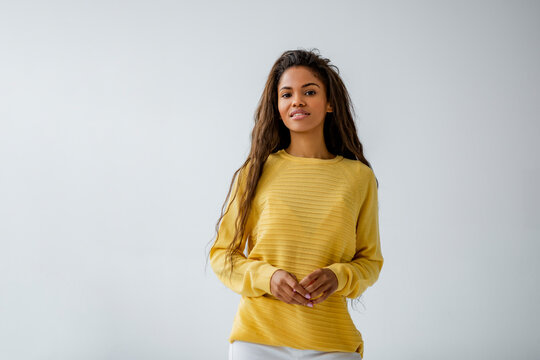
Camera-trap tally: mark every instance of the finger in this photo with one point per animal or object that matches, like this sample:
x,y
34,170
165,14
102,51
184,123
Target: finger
x,y
324,281
293,297
301,300
290,292
284,288
324,296
324,290
319,293
308,279
297,288
314,286
321,287
285,295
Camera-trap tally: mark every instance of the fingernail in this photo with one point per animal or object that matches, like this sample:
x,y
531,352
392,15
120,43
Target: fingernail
x,y
308,296
293,290
310,305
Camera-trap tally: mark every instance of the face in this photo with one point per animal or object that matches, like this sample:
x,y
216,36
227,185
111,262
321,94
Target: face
x,y
302,100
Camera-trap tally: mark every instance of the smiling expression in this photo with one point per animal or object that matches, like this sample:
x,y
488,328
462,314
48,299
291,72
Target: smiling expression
x,y
302,100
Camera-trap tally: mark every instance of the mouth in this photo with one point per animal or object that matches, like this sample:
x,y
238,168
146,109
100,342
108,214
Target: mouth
x,y
299,114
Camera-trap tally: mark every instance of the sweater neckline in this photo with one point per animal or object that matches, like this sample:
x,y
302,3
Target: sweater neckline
x,y
286,155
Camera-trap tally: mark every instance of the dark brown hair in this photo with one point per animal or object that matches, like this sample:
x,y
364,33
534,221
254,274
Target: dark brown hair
x,y
270,133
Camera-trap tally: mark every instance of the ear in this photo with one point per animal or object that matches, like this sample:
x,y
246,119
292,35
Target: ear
x,y
329,108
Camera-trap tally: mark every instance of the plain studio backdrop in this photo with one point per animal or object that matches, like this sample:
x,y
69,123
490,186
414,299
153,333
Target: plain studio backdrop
x,y
122,124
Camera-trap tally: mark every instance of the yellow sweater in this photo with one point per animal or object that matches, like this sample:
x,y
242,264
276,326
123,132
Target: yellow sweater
x,y
307,213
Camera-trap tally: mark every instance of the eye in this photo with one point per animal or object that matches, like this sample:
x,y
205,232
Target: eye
x,y
311,91
285,95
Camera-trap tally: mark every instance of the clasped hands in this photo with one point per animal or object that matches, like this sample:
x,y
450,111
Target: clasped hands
x,y
313,289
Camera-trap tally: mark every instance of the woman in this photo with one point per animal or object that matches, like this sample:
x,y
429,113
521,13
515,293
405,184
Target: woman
x,y
305,203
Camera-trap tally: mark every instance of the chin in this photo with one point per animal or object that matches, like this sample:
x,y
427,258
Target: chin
x,y
298,127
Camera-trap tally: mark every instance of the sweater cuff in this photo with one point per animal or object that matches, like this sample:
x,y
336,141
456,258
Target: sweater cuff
x,y
341,275
264,276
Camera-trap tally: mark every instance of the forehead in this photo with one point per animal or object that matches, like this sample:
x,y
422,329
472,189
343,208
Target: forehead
x,y
298,76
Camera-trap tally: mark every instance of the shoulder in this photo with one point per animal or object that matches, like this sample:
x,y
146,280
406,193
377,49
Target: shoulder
x,y
272,158
273,163
359,171
361,178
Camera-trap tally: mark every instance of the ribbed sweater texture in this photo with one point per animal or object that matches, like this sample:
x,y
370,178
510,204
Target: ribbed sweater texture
x,y
307,213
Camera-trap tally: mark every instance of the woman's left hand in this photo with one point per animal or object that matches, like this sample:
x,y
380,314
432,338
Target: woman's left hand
x,y
320,282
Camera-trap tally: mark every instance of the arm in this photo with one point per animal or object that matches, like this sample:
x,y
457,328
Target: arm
x,y
363,270
250,277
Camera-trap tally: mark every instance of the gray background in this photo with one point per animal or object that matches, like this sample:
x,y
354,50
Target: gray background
x,y
123,122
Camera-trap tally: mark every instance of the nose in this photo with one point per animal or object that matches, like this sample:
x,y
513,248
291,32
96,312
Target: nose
x,y
298,100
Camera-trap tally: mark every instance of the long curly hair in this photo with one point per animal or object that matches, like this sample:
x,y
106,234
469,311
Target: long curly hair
x,y
270,133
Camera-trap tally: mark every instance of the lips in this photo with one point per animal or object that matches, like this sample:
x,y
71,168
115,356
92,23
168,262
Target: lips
x,y
299,112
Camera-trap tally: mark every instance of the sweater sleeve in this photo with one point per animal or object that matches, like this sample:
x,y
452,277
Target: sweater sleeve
x,y
250,277
363,270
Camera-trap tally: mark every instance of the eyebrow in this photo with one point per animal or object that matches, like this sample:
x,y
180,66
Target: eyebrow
x,y
288,87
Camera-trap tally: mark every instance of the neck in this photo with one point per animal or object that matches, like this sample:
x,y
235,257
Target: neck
x,y
303,146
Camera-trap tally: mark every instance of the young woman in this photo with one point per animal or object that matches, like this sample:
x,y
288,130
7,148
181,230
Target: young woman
x,y
305,203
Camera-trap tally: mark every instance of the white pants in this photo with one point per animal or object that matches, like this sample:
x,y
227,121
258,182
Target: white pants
x,y
242,350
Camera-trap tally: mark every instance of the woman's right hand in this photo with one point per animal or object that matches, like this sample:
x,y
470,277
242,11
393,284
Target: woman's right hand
x,y
285,287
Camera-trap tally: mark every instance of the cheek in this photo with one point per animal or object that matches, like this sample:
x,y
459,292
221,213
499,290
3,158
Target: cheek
x,y
282,108
321,102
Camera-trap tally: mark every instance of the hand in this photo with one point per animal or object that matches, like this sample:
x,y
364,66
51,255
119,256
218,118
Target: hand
x,y
320,282
285,287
